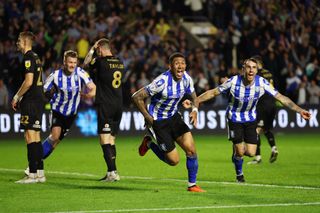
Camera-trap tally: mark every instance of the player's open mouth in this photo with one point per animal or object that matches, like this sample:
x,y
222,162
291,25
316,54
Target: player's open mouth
x,y
179,74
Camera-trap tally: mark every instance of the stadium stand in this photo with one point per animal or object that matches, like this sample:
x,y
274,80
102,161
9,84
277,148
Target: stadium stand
x,y
145,32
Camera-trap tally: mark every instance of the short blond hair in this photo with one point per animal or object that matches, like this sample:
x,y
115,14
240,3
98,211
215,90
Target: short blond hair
x,y
104,43
70,53
27,35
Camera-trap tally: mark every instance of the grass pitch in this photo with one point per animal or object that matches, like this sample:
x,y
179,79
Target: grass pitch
x,y
291,184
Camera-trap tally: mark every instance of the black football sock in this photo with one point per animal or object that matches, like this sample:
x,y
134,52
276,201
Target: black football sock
x,y
270,138
109,157
32,153
258,146
114,154
39,156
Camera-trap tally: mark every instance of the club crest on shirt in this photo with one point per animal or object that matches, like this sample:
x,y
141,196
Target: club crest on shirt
x,y
160,82
27,64
185,83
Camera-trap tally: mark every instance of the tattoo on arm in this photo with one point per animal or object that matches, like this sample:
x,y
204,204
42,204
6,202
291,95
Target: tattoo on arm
x,y
209,95
138,99
141,94
194,100
288,102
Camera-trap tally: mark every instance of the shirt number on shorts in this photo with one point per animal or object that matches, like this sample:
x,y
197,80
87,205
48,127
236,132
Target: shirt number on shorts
x,y
24,119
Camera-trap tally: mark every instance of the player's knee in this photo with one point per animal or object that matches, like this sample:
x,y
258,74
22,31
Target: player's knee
x,y
250,154
173,162
55,137
191,152
239,151
239,154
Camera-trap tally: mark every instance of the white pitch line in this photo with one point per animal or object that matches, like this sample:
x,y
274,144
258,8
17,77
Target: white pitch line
x,y
175,180
196,207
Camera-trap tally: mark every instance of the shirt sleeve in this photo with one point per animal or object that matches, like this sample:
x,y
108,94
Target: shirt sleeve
x,y
190,85
84,76
29,64
223,88
156,86
269,88
49,83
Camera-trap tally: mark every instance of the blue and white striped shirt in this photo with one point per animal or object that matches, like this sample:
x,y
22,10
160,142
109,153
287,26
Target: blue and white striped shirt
x,y
66,98
243,99
166,93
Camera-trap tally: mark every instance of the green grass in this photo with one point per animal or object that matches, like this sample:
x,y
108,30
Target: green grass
x,y
148,185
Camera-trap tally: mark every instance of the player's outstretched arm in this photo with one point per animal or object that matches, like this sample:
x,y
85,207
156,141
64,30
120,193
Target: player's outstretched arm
x,y
208,95
138,99
202,98
291,105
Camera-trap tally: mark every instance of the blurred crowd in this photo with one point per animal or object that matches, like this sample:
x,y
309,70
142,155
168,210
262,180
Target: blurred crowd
x,y
143,33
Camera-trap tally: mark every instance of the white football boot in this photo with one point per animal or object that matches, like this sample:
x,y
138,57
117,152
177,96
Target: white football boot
x,y
31,178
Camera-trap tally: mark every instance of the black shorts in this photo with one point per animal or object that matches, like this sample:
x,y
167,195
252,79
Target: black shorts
x,y
239,132
31,115
265,116
65,122
167,131
108,119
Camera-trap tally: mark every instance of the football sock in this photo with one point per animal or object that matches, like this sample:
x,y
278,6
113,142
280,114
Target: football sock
x,y
258,151
114,154
233,153
47,148
109,157
238,161
160,154
39,155
192,167
270,138
114,151
32,153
